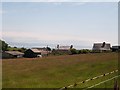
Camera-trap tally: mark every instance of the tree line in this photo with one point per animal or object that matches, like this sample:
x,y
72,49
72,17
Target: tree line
x,y
5,47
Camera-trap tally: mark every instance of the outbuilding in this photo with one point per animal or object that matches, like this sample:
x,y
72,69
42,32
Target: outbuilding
x,y
35,52
101,47
12,54
31,53
62,50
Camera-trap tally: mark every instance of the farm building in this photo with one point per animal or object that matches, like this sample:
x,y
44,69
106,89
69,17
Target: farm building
x,y
12,54
34,52
43,50
63,49
115,48
101,47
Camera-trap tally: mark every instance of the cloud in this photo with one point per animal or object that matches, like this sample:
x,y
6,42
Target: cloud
x,y
68,3
57,3
2,11
79,3
41,36
60,0
31,39
76,3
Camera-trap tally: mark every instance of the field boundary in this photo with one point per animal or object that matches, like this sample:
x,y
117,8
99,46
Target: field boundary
x,y
102,82
78,83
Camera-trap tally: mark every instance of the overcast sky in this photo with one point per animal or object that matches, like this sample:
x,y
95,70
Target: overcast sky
x,y
32,24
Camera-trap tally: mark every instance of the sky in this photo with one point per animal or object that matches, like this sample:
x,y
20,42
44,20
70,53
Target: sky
x,y
38,24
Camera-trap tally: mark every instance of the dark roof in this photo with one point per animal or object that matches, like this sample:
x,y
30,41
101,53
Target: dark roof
x,y
14,52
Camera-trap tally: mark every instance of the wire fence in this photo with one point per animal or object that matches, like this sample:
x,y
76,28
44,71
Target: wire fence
x,y
102,82
91,79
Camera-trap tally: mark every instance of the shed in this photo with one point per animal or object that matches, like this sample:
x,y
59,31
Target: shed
x,y
12,54
31,53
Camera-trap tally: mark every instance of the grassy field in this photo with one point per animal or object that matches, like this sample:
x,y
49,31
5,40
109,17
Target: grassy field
x,y
57,71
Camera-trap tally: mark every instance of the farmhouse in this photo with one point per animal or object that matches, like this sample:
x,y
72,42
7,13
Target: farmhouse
x,y
100,47
63,49
12,54
35,52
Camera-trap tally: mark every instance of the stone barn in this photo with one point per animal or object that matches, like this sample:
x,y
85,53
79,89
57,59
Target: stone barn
x,y
101,47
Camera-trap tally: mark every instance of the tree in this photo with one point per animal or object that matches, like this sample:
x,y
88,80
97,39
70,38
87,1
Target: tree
x,y
21,49
103,45
57,46
3,45
48,48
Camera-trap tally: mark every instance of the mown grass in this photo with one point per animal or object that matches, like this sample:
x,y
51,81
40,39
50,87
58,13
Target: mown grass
x,y
108,84
56,71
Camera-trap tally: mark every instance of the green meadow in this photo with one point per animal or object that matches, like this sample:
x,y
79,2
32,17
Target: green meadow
x,y
59,71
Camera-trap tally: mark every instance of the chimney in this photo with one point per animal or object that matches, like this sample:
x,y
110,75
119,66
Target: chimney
x,y
103,45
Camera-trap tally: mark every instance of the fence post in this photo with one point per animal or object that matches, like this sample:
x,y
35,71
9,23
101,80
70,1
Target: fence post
x,y
105,86
116,85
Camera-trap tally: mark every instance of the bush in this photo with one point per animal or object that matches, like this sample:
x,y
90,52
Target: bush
x,y
83,51
73,51
48,48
